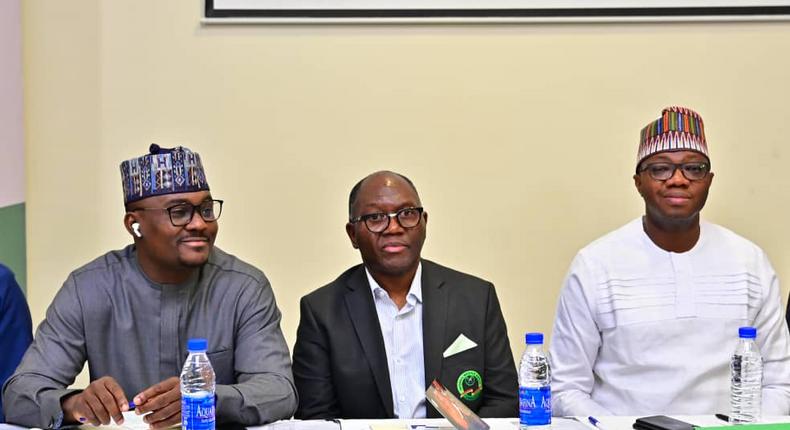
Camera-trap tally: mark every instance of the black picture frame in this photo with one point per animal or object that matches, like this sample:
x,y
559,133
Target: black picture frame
x,y
768,11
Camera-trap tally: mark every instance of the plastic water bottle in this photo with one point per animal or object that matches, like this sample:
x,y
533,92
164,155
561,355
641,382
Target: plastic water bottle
x,y
534,380
746,384
197,388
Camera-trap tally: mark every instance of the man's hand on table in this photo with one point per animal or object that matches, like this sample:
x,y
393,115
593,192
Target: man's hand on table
x,y
162,403
101,401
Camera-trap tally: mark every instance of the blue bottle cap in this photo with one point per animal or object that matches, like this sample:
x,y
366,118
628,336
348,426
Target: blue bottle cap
x,y
197,345
534,338
747,332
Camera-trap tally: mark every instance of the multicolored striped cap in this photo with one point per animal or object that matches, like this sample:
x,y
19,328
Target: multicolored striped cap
x,y
162,171
678,129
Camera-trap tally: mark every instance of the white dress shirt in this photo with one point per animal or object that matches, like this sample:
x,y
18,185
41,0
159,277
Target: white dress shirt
x,y
402,333
641,331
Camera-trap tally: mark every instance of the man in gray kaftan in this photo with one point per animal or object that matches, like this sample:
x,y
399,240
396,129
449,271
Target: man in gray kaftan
x,y
130,312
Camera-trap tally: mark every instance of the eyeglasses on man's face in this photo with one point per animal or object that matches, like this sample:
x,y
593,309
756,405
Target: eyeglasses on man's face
x,y
181,214
380,221
663,171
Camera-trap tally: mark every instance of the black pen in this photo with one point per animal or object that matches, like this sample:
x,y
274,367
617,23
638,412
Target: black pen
x,y
723,417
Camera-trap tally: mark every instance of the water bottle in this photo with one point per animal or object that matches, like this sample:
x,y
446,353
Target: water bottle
x,y
534,379
197,388
746,368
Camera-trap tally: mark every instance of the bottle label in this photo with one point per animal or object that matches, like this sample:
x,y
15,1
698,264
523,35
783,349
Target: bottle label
x,y
197,411
534,406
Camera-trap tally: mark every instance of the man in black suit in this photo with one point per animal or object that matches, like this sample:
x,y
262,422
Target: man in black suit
x,y
370,342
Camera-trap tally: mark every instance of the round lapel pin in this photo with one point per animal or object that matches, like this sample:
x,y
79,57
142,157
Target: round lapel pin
x,y
470,385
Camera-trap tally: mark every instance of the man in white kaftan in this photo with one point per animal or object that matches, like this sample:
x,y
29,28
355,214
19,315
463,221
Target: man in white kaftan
x,y
649,314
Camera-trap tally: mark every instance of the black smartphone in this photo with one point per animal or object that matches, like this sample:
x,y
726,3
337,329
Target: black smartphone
x,y
661,422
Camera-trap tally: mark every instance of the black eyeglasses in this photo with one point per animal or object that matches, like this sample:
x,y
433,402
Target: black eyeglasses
x,y
380,221
663,171
182,213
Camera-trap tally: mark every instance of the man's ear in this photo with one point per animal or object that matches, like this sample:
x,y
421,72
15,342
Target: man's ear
x,y
352,235
638,183
129,219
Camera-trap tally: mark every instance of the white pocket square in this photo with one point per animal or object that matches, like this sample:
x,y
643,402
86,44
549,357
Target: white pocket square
x,y
460,344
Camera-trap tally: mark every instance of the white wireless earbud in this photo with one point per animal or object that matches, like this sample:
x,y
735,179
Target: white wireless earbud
x,y
136,229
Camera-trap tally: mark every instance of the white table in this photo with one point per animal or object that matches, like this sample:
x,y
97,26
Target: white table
x,y
134,422
577,423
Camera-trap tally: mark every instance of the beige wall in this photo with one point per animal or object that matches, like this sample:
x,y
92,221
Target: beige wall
x,y
520,138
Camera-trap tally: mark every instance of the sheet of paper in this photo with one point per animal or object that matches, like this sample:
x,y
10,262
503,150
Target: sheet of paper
x,y
131,421
294,424
389,426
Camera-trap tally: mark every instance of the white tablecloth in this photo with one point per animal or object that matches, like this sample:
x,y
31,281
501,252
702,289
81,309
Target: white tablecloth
x,y
577,423
133,422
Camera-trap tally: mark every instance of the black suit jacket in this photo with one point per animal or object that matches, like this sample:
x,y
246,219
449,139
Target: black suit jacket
x,y
787,313
340,364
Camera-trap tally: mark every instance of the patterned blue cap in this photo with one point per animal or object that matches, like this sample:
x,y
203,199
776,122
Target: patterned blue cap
x,y
162,171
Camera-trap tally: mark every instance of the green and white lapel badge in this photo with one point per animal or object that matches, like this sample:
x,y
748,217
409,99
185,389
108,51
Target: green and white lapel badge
x,y
470,385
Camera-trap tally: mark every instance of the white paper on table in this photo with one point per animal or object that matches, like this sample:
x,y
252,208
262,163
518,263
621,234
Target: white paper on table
x,y
295,424
131,421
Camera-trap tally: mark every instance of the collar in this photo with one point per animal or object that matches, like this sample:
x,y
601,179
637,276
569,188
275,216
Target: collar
x,y
639,224
189,283
415,290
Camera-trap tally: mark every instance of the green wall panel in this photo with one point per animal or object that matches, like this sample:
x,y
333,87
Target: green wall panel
x,y
12,241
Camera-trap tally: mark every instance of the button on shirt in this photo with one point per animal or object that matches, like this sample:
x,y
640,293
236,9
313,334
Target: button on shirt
x,y
402,333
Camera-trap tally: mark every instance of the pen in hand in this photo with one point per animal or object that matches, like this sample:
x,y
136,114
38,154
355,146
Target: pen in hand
x,y
594,421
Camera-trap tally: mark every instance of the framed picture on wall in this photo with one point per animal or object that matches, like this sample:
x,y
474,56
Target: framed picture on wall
x,y
331,11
